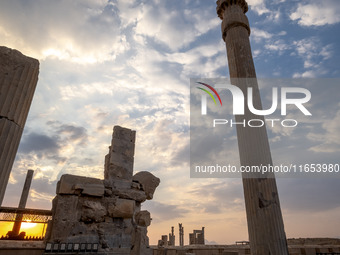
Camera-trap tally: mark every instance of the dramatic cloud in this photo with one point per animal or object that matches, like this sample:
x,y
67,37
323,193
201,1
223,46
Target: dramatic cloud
x,y
129,63
164,211
161,21
259,6
62,138
37,143
317,13
81,31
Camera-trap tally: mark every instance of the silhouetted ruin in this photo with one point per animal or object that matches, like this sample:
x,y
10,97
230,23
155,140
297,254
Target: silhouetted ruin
x,y
106,212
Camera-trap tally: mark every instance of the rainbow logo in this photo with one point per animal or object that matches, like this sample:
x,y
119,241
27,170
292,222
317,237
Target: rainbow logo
x,y
209,93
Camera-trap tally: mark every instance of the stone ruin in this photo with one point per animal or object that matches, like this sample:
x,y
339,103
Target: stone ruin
x,y
107,212
197,237
163,242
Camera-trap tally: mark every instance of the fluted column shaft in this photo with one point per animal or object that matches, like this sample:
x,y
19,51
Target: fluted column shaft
x,y
264,217
18,79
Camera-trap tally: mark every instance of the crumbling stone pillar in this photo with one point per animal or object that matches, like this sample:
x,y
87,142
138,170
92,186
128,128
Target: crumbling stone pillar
x,y
107,212
119,161
18,79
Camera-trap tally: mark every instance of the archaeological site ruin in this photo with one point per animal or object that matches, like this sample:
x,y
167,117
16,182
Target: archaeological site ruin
x,y
264,217
104,216
106,212
18,79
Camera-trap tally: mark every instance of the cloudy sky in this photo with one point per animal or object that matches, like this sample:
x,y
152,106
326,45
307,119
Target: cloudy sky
x,y
129,63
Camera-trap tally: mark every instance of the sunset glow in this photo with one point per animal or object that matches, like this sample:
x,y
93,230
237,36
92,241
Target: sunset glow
x,y
129,63
31,229
27,225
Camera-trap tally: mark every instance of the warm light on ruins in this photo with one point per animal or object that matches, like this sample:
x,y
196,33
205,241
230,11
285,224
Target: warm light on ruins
x,y
169,127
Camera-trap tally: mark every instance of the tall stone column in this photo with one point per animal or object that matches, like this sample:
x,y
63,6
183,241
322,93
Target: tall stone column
x,y
18,79
23,201
264,217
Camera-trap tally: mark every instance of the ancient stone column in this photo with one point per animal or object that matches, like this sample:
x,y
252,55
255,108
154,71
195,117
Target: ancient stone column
x,y
23,201
172,237
181,234
264,217
18,79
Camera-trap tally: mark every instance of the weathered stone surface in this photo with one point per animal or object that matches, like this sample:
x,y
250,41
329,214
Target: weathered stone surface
x,y
123,145
111,228
123,170
75,185
93,211
96,190
107,201
123,208
119,161
66,208
135,185
148,181
116,183
137,195
113,236
83,233
128,227
124,134
123,189
265,223
138,207
66,221
18,80
143,218
141,242
61,230
108,212
108,192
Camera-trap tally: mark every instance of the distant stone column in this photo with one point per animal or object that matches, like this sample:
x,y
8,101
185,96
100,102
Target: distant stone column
x,y
18,79
23,201
181,234
265,223
172,237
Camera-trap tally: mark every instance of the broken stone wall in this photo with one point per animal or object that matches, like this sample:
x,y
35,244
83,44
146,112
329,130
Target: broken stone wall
x,y
107,212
